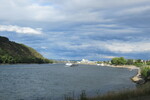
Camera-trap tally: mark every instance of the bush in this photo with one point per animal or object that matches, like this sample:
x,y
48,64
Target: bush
x,y
138,64
6,59
145,72
119,61
130,62
148,63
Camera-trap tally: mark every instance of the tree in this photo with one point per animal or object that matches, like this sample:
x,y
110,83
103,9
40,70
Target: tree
x,y
130,62
114,61
139,61
148,63
122,61
119,61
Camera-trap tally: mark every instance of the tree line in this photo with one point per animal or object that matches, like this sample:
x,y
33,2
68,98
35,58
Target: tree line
x,y
144,65
7,59
123,61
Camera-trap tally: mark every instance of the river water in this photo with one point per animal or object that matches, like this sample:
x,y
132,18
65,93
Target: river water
x,y
53,81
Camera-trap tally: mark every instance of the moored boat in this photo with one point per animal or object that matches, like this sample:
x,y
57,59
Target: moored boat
x,y
70,64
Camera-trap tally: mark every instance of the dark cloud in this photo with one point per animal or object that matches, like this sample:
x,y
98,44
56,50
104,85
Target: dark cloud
x,y
75,29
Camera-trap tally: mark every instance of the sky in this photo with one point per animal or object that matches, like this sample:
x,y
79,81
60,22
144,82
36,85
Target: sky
x,y
79,29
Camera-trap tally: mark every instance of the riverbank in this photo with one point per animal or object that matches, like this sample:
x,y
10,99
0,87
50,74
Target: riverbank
x,y
137,78
140,93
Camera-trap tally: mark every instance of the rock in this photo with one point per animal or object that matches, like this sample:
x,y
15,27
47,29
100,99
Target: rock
x,y
138,79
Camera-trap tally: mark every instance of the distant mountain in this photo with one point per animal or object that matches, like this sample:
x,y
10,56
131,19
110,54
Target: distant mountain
x,y
11,52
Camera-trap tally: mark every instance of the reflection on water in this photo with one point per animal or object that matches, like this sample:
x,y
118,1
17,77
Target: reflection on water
x,y
49,81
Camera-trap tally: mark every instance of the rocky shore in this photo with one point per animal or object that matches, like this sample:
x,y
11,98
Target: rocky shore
x,y
137,78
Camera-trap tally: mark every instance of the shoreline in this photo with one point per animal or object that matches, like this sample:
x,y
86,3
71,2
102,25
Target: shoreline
x,y
138,79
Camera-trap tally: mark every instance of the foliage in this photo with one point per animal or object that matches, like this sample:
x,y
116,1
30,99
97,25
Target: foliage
x,y
123,61
145,71
11,52
140,93
119,61
148,63
138,64
139,61
130,62
13,60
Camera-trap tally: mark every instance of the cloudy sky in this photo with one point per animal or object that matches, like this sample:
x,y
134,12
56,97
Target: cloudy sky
x,y
77,29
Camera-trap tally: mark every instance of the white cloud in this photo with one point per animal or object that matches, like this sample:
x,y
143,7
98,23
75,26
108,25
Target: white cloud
x,y
18,29
61,10
111,45
128,47
89,4
107,29
28,11
134,10
85,25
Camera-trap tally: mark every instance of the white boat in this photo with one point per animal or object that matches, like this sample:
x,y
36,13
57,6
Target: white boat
x,y
100,64
69,64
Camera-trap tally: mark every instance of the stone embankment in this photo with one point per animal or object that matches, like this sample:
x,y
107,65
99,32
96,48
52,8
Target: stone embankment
x,y
137,78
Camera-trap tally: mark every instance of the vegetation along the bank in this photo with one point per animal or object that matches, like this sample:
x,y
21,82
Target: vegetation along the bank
x,y
140,93
143,65
123,61
12,53
145,72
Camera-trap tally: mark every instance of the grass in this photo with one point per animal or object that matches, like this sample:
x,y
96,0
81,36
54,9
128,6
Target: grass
x,y
141,93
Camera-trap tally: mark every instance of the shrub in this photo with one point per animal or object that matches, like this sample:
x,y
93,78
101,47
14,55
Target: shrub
x,y
148,63
119,61
138,64
145,72
130,62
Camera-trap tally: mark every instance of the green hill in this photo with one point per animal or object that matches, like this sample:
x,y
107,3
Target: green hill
x,y
11,52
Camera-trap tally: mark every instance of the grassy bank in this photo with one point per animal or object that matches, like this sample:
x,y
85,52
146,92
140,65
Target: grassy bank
x,y
140,93
145,71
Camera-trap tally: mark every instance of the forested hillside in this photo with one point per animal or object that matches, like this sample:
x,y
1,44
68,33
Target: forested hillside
x,y
11,52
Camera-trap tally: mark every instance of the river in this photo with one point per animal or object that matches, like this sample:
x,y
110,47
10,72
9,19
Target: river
x,y
53,81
